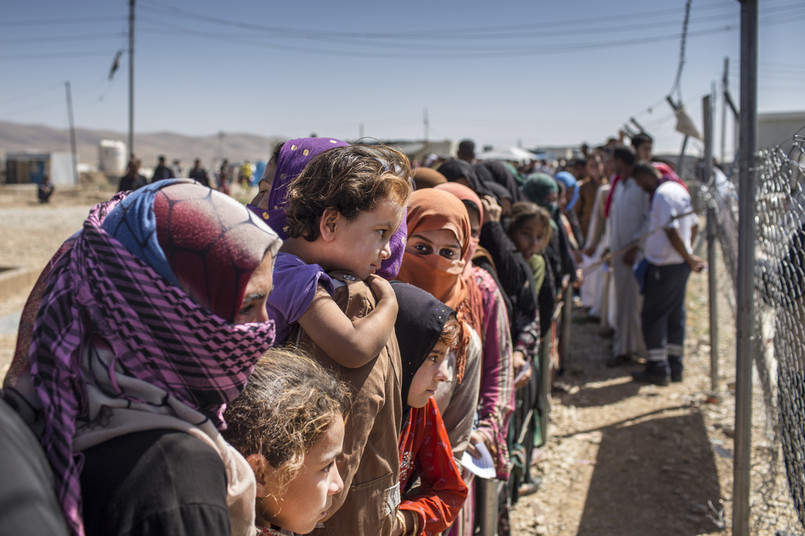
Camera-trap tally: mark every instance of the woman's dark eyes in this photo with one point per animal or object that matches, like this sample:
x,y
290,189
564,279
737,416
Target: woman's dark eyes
x,y
447,253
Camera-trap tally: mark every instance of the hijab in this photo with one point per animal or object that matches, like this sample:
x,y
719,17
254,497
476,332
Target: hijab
x,y
538,187
427,178
294,156
456,169
418,327
465,194
433,209
503,176
567,178
152,282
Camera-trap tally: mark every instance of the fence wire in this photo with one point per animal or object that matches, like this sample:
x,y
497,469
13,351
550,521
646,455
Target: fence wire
x,y
778,418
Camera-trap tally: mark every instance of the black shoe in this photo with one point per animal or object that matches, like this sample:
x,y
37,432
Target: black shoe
x,y
675,364
654,373
618,360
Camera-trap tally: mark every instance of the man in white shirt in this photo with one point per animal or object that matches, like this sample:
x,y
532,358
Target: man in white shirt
x,y
668,253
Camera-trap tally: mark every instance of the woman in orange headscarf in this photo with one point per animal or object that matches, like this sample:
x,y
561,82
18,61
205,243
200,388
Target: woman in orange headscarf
x,y
438,259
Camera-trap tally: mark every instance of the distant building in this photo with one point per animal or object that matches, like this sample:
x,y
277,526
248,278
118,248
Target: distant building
x,y
775,129
25,168
419,149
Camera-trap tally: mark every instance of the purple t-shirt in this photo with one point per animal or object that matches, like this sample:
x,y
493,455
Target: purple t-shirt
x,y
295,285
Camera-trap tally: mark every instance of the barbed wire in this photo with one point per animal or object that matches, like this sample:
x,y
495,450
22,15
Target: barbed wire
x,y
675,89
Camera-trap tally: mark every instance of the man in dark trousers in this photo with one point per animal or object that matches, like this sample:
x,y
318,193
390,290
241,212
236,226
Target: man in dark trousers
x,y
669,263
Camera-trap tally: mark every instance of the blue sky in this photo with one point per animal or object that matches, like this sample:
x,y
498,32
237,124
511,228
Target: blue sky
x,y
503,73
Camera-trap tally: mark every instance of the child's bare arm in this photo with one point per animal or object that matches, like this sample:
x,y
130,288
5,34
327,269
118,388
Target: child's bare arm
x,y
351,343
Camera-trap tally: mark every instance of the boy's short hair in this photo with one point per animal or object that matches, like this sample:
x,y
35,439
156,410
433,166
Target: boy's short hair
x,y
645,168
348,179
640,139
625,154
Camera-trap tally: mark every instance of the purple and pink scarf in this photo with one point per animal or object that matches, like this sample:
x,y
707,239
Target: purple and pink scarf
x,y
155,277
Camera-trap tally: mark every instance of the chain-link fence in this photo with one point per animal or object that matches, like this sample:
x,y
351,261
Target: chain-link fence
x,y
777,494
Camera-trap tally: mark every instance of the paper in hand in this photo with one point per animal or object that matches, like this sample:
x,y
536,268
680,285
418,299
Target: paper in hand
x,y
484,466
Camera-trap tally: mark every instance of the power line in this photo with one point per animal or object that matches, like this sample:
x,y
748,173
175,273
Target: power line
x,y
63,21
443,33
51,55
59,39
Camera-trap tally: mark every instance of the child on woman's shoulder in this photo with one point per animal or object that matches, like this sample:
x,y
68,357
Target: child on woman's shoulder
x,y
341,212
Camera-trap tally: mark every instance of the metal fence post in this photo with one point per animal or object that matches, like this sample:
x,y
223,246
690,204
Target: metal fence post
x,y
744,331
712,275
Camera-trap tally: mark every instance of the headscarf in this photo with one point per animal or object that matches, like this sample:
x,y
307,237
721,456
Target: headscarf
x,y
498,191
456,169
518,177
465,194
539,186
429,210
503,175
168,342
418,327
567,178
294,156
616,179
667,174
425,177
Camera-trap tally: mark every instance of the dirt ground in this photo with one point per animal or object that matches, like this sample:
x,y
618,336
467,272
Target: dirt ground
x,y
620,459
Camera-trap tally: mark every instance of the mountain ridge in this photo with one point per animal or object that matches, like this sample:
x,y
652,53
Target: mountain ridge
x,y
236,147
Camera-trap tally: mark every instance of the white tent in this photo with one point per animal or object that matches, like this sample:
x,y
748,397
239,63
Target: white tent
x,y
510,154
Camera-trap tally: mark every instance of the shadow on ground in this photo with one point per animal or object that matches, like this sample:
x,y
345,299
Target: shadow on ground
x,y
665,472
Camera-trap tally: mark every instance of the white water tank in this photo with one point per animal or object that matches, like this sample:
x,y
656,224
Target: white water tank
x,y
112,157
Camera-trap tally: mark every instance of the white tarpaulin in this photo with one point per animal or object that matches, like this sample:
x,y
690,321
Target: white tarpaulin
x,y
511,154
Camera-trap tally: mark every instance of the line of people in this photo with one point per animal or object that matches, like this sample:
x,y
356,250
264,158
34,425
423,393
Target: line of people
x,y
133,179
360,350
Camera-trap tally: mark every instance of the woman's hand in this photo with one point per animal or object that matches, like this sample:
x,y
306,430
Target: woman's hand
x,y
518,364
492,209
476,436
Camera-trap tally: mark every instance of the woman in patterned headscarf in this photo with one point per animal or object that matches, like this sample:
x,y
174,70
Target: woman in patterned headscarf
x,y
151,320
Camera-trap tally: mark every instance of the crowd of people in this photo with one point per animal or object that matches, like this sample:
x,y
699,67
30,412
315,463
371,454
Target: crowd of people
x,y
359,350
221,180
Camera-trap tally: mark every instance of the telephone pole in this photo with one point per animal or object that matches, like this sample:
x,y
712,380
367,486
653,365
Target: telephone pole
x,y
131,77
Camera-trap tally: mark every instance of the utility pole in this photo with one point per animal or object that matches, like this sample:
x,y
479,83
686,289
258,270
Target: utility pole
x,y
221,144
426,124
131,77
72,131
724,92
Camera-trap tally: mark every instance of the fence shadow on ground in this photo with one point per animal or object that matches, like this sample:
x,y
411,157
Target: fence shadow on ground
x,y
658,463
603,395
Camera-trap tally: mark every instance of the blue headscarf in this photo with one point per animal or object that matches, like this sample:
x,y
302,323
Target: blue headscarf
x,y
567,178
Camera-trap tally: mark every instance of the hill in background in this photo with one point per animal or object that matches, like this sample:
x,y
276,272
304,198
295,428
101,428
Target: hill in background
x,y
16,137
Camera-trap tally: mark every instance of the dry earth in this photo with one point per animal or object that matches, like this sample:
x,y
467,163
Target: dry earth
x,y
620,459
